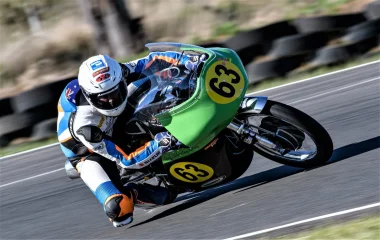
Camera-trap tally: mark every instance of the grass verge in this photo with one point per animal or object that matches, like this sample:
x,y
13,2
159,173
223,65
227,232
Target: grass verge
x,y
16,148
263,85
358,229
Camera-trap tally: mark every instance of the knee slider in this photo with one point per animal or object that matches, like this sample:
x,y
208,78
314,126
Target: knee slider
x,y
119,206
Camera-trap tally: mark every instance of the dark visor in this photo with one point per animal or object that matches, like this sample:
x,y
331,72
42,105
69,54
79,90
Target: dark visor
x,y
110,99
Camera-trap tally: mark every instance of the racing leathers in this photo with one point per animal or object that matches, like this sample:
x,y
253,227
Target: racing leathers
x,y
87,139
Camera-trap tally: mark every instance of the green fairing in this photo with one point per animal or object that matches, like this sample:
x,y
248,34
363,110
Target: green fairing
x,y
200,119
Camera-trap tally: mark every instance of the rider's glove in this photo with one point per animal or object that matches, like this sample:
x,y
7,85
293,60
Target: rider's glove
x,y
192,66
194,61
167,141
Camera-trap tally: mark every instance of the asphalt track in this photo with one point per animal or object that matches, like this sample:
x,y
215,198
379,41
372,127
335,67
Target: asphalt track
x,y
38,201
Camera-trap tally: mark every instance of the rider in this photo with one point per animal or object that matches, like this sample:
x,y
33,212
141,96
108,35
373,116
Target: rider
x,y
87,111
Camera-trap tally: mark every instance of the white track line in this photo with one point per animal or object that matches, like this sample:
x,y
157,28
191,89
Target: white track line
x,y
28,151
336,90
268,89
319,76
36,176
227,209
305,221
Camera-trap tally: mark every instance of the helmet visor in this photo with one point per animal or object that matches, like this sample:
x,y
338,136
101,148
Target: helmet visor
x,y
110,99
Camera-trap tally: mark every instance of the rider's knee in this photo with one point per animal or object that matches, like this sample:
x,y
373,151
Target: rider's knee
x,y
119,206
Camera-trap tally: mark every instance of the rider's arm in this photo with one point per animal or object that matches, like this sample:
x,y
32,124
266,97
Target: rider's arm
x,y
169,58
93,138
93,130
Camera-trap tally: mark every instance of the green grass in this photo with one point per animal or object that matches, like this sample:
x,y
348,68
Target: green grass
x,y
16,148
316,7
134,57
225,29
263,85
359,229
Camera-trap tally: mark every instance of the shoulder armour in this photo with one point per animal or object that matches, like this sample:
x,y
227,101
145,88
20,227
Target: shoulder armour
x,y
92,134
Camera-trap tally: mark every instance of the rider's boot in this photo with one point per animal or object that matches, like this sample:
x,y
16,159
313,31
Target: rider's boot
x,y
119,208
101,176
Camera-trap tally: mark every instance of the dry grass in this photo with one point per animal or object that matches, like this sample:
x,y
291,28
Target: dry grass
x,y
183,20
45,57
27,61
358,229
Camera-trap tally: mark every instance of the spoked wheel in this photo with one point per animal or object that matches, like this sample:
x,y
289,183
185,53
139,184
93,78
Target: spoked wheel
x,y
299,140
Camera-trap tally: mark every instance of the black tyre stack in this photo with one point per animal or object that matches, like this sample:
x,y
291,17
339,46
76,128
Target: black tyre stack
x,y
279,49
271,51
257,42
31,114
5,110
333,27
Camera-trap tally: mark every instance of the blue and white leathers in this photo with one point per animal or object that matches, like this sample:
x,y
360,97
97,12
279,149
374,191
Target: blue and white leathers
x,y
73,115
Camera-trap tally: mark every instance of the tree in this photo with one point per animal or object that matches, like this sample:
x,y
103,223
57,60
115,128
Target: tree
x,y
112,26
26,12
92,12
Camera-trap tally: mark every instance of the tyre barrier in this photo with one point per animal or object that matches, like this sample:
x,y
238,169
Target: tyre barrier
x,y
258,71
363,31
212,44
4,141
5,107
363,46
332,55
372,10
325,23
18,125
26,114
45,96
45,129
250,44
300,43
287,46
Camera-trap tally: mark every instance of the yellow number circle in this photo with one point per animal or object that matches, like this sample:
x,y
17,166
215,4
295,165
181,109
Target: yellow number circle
x,y
191,172
224,82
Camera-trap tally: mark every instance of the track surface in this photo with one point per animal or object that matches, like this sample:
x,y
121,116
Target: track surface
x,y
52,206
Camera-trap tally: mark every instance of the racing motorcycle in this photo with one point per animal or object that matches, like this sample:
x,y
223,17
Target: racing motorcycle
x,y
221,127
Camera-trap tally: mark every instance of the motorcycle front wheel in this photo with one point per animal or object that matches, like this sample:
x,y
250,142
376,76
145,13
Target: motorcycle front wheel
x,y
300,141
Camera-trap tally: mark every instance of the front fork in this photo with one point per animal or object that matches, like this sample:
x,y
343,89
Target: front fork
x,y
249,136
251,105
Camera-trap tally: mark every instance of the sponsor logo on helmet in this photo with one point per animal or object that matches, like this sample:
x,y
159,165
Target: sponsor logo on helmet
x,y
104,70
103,77
97,64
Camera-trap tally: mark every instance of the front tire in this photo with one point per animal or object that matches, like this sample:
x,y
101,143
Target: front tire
x,y
299,121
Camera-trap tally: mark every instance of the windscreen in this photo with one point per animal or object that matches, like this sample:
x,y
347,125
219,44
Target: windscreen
x,y
173,75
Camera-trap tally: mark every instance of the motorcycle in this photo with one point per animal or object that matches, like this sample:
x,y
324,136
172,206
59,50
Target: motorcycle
x,y
207,110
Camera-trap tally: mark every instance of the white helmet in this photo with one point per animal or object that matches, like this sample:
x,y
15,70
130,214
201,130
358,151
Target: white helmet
x,y
102,82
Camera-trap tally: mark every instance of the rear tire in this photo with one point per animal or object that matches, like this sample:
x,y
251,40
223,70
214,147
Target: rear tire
x,y
305,123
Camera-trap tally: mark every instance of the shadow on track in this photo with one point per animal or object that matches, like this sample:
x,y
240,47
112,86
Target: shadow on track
x,y
252,181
